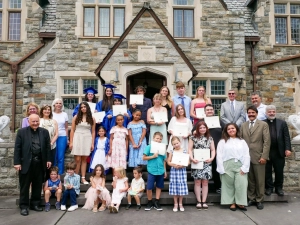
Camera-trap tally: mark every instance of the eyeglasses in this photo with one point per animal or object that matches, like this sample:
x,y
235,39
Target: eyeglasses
x,y
231,93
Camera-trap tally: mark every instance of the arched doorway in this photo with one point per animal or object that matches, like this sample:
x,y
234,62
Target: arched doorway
x,y
151,81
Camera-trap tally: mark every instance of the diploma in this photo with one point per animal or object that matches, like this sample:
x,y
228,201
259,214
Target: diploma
x,y
180,130
158,147
136,99
200,113
119,109
92,106
202,154
180,158
198,166
99,116
131,192
212,122
160,117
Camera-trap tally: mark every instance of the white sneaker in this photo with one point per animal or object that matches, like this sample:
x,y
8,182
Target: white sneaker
x,y
72,208
63,208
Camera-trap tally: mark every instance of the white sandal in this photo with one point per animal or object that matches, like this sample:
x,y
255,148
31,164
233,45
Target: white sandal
x,y
84,182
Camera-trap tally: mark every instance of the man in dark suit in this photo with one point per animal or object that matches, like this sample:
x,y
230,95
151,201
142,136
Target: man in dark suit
x,y
280,148
257,136
32,156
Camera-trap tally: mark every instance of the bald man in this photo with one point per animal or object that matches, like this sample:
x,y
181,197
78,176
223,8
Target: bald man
x,y
32,156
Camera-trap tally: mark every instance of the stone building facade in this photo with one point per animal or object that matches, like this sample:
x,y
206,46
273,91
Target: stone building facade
x,y
221,43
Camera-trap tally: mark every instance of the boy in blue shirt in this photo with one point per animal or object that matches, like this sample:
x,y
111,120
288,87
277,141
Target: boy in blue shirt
x,y
156,168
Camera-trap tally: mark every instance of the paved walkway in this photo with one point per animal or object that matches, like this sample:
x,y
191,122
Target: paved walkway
x,y
273,213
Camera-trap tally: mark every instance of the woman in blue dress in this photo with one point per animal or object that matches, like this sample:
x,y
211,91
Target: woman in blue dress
x,y
90,93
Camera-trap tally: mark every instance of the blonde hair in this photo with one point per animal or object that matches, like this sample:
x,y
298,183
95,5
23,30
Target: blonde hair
x,y
157,95
168,97
34,105
175,138
53,104
204,95
121,170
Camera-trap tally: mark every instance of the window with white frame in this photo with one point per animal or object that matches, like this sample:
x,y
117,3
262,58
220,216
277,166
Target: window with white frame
x,y
103,18
183,16
72,93
287,23
215,90
10,20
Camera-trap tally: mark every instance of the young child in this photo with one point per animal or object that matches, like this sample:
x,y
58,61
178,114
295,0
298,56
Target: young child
x,y
72,187
156,168
98,156
136,134
136,189
120,187
97,191
118,144
53,188
178,177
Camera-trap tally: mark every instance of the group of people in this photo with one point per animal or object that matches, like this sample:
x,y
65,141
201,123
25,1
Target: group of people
x,y
243,151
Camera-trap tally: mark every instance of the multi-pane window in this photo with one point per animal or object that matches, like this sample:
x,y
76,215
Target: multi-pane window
x,y
287,23
103,18
72,92
215,89
10,20
183,16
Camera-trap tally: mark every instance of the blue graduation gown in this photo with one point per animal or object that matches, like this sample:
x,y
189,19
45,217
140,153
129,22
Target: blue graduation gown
x,y
75,110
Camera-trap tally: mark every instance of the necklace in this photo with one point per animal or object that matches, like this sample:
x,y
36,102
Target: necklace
x,y
157,110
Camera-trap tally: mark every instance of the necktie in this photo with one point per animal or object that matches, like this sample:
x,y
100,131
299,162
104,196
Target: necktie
x,y
251,127
231,107
182,101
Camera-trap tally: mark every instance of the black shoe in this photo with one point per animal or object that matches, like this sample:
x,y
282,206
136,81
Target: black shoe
x,y
260,206
268,191
279,192
138,207
128,206
241,208
251,203
232,208
149,206
36,208
24,212
157,206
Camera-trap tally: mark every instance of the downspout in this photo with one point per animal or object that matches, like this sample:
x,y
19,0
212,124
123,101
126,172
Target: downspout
x,y
254,68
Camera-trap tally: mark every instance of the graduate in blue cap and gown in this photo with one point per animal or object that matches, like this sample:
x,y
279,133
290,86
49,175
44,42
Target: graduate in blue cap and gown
x,y
107,101
109,120
90,93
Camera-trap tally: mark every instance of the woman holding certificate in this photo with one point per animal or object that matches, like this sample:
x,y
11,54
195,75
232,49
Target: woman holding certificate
x,y
202,152
157,118
181,127
233,162
90,96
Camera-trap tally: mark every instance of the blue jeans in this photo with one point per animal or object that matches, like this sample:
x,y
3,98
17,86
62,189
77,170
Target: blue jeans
x,y
61,145
72,194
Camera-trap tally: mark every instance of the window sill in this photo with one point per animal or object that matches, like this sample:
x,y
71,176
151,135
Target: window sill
x,y
98,37
186,39
11,41
287,45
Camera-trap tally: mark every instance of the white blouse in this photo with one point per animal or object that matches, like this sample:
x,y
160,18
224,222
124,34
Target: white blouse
x,y
236,149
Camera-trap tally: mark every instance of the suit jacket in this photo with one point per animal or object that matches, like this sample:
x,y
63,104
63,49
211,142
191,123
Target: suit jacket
x,y
237,117
283,137
23,154
259,141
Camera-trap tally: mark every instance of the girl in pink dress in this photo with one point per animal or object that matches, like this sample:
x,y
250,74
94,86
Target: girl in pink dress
x,y
118,144
97,192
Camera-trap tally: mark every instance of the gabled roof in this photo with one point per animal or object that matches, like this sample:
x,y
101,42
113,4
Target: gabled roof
x,y
145,8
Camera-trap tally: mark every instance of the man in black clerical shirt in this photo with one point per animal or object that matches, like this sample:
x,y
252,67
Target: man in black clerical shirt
x,y
280,148
32,156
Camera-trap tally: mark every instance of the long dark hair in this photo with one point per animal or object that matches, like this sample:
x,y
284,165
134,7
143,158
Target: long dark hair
x,y
89,117
102,170
107,102
176,111
207,134
94,100
225,135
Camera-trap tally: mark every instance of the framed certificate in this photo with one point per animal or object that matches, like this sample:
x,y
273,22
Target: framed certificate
x,y
99,116
200,113
119,109
158,147
202,154
136,99
160,117
198,165
92,106
180,130
181,159
212,122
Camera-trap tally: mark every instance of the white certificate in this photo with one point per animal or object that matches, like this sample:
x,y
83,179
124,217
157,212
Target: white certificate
x,y
198,165
180,130
202,154
119,109
136,99
92,106
200,113
158,147
160,117
212,122
99,116
179,158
